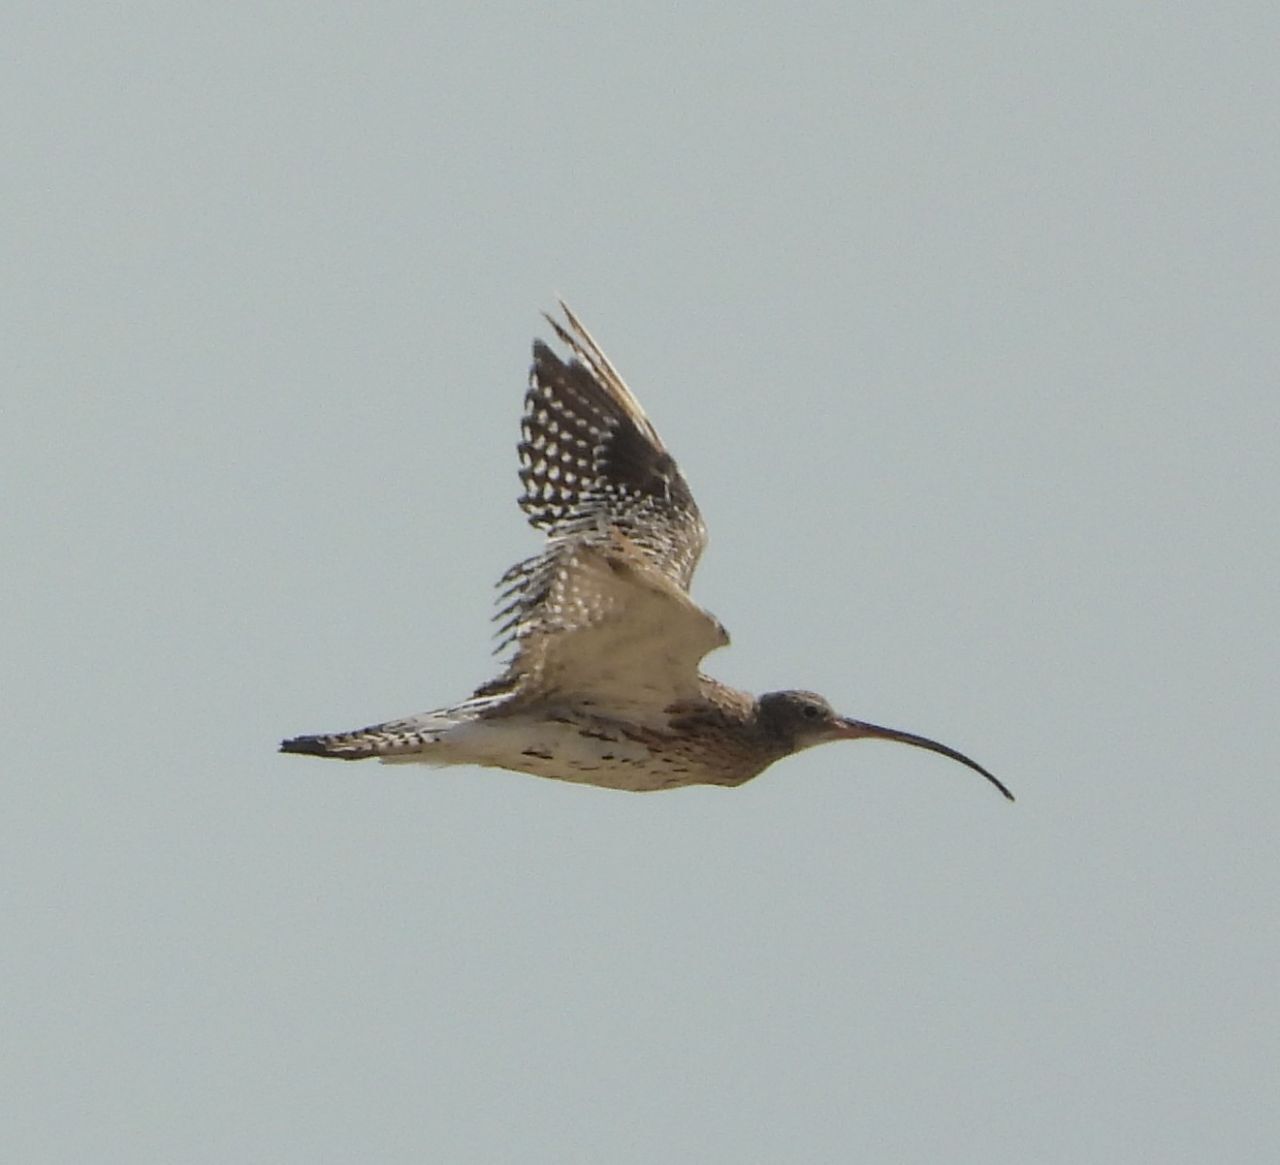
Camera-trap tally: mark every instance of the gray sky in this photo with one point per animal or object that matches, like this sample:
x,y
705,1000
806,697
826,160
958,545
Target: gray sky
x,y
962,324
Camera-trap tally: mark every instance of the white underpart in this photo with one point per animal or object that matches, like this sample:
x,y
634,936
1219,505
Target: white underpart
x,y
544,748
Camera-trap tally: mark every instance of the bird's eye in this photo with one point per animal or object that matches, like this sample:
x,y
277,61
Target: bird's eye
x,y
811,712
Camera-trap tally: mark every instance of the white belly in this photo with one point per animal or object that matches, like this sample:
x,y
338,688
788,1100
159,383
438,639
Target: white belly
x,y
598,753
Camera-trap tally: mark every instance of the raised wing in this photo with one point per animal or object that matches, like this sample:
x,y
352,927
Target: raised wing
x,y
607,597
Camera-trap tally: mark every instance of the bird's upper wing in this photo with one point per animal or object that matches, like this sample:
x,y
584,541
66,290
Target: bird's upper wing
x,y
603,611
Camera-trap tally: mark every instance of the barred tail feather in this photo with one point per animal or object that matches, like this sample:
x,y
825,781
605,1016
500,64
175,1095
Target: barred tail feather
x,y
380,741
420,739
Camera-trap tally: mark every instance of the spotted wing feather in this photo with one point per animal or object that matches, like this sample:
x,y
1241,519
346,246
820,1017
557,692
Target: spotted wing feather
x,y
594,471
603,612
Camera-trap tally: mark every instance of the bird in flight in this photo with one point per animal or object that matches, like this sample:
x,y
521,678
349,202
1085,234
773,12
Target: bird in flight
x,y
603,686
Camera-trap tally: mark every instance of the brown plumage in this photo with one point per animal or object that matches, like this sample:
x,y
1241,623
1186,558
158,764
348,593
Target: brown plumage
x,y
603,686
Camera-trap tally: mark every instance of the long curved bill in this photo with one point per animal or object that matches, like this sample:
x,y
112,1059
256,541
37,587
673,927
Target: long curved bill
x,y
857,729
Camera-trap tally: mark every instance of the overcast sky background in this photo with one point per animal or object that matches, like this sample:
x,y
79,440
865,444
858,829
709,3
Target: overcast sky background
x,y
962,323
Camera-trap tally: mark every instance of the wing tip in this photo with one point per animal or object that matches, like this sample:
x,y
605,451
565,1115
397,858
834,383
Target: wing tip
x,y
544,355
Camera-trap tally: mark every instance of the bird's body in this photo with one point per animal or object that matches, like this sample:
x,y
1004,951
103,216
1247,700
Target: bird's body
x,y
604,686
715,740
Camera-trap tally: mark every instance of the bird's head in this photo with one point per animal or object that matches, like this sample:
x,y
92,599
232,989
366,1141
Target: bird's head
x,y
800,720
